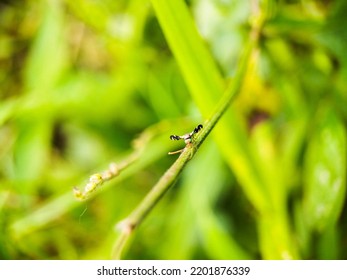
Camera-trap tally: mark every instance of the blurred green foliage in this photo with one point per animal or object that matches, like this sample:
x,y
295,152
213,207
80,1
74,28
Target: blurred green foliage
x,y
81,79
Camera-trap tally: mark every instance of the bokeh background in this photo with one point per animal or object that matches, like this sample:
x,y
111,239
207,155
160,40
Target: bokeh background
x,y
81,79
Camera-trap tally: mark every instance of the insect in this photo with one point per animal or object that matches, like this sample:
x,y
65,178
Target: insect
x,y
187,137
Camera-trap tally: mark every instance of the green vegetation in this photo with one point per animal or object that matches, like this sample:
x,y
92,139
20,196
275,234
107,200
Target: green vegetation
x,y
85,84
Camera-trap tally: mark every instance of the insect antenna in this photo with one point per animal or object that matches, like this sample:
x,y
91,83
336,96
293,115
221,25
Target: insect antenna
x,y
198,128
175,137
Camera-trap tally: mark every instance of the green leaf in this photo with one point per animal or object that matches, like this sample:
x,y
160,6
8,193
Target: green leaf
x,y
31,154
325,172
48,56
206,87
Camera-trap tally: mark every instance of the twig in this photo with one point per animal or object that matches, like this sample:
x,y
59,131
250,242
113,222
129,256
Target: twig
x,y
128,225
114,169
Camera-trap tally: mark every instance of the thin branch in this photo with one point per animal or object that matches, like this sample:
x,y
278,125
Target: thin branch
x,y
128,225
114,169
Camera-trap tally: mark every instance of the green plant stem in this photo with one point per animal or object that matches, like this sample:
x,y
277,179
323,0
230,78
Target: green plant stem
x,y
114,169
128,225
